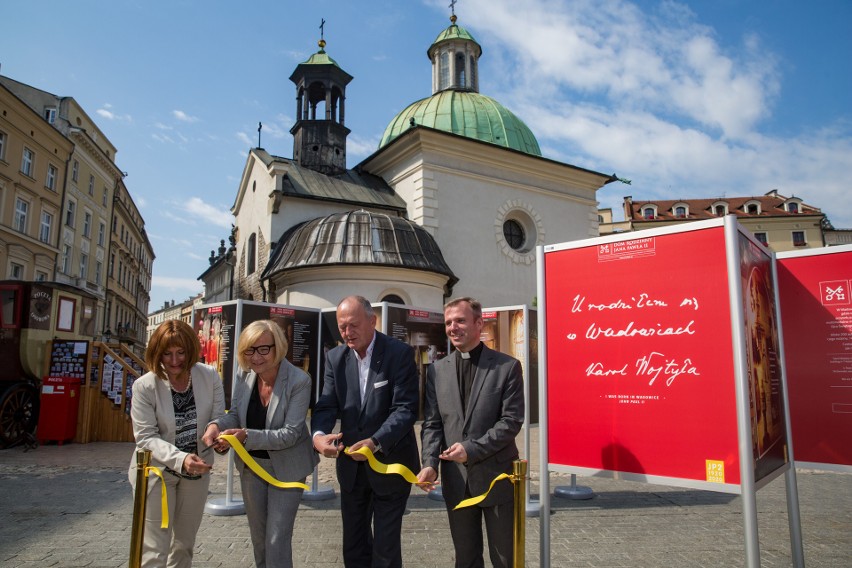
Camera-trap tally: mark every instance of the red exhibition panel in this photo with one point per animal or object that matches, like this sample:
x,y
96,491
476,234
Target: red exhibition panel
x,y
639,358
816,311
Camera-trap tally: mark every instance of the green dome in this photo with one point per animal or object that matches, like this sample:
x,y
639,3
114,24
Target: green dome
x,y
467,114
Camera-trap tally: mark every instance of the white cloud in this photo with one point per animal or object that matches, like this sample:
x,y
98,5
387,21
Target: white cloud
x,y
178,218
655,97
358,147
162,138
209,214
106,112
183,117
245,139
175,284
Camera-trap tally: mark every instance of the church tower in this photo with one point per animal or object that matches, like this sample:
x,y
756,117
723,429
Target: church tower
x,y
319,135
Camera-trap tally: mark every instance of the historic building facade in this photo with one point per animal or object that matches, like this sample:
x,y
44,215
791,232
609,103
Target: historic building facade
x,y
130,265
781,223
96,229
453,202
33,158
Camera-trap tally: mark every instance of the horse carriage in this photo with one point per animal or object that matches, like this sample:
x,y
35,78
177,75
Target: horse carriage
x,y
32,316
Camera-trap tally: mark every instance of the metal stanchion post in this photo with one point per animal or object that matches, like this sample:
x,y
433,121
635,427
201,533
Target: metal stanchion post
x,y
137,532
316,492
519,476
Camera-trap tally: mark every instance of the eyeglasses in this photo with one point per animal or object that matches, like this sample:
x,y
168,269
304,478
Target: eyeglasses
x,y
262,349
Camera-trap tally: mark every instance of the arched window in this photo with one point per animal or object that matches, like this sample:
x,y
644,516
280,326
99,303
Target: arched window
x,y
680,212
251,254
444,69
648,213
473,73
460,74
393,299
792,207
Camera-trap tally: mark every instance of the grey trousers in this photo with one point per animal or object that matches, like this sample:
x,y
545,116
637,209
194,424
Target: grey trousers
x,y
271,513
172,547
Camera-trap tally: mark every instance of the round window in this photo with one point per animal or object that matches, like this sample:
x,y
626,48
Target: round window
x,y
514,234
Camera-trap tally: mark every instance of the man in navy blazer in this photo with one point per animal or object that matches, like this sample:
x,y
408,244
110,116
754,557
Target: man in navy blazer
x,y
371,385
474,411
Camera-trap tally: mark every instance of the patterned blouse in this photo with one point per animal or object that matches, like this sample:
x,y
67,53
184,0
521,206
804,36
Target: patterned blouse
x,y
186,426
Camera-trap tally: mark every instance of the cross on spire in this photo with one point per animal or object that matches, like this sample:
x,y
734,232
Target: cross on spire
x,y
322,28
453,9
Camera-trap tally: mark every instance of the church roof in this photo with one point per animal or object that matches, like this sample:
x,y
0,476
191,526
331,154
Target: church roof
x,y
467,114
771,204
352,186
451,33
358,238
320,58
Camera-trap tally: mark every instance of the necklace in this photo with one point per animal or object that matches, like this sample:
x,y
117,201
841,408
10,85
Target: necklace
x,y
188,384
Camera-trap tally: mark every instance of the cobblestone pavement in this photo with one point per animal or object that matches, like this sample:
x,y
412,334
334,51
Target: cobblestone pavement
x,y
71,505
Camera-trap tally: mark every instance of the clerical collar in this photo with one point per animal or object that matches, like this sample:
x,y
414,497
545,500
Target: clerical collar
x,y
472,353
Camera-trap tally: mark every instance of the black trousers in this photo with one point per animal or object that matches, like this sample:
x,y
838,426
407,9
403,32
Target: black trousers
x,y
466,530
372,524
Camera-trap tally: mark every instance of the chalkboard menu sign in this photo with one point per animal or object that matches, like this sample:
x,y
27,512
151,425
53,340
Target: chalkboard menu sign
x,y
68,359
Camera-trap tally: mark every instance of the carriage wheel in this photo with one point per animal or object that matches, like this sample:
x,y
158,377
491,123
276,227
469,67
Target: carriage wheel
x,y
18,414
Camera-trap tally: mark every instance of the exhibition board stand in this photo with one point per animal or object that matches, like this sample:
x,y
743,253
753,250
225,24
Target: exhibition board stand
x,y
661,361
218,326
816,313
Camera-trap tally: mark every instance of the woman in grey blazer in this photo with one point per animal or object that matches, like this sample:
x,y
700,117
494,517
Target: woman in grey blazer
x,y
170,408
268,411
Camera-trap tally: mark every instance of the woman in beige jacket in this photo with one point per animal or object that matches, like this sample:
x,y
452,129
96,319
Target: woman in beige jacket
x,y
170,409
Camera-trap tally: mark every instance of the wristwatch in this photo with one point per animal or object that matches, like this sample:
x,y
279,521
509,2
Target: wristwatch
x,y
376,443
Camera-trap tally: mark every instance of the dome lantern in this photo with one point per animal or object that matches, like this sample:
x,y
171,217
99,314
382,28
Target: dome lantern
x,y
456,106
319,142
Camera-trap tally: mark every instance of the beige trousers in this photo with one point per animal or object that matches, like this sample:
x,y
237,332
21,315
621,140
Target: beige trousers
x,y
172,547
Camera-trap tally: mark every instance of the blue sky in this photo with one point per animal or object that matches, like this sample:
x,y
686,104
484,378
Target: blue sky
x,y
690,99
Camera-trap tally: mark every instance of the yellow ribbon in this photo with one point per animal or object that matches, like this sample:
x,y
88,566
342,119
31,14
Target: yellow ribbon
x,y
255,467
479,498
406,473
164,505
379,467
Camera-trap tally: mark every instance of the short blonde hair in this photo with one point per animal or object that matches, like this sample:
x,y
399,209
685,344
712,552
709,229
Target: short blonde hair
x,y
171,333
251,334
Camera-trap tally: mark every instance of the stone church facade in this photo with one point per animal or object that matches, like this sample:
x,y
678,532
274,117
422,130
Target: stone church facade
x,y
453,202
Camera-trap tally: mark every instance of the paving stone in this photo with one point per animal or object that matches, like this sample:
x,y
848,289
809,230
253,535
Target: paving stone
x,y
71,505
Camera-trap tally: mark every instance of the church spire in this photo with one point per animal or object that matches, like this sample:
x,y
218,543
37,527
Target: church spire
x,y
319,135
